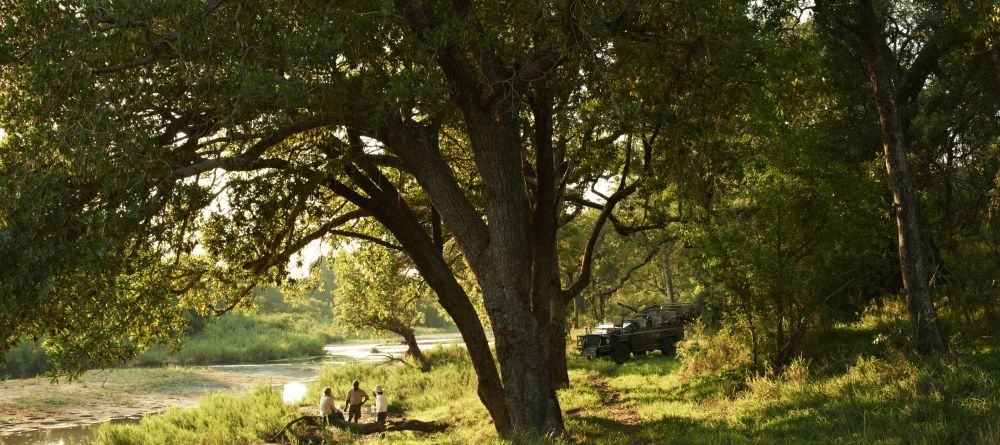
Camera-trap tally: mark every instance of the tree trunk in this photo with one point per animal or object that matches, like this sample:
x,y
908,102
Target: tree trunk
x,y
390,209
914,271
506,276
557,347
413,350
577,307
546,290
668,280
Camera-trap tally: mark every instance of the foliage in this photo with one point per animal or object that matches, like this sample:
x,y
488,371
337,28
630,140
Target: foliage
x,y
378,288
28,359
164,158
219,419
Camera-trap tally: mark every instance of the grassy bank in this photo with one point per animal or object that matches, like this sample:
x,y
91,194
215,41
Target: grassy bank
x,y
863,389
240,338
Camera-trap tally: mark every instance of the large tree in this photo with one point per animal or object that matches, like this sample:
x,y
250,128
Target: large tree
x,y
904,47
165,155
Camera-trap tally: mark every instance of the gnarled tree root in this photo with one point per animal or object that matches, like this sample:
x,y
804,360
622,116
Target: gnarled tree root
x,y
364,428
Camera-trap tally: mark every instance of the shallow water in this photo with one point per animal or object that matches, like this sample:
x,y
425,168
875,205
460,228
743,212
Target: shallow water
x,y
60,434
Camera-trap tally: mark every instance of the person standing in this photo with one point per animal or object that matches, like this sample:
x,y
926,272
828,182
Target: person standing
x,y
381,405
355,398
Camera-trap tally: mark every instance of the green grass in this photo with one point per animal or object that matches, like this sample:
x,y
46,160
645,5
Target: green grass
x,y
865,389
220,419
240,338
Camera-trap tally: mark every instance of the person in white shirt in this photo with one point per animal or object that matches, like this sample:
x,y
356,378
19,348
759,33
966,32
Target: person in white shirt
x,y
327,408
381,405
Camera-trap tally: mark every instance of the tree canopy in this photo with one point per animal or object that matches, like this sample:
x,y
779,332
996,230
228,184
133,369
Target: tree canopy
x,y
161,156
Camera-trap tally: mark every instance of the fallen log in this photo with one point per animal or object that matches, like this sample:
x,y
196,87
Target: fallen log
x,y
365,428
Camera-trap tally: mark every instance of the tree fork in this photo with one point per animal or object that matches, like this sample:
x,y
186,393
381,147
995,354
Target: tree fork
x,y
393,214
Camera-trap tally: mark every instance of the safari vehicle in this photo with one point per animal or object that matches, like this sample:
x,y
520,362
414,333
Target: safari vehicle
x,y
653,327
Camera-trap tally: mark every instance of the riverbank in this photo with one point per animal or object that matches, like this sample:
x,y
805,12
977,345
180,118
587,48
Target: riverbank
x,y
878,394
99,396
36,409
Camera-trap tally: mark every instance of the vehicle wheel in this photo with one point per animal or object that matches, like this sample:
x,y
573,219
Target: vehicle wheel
x,y
620,353
669,347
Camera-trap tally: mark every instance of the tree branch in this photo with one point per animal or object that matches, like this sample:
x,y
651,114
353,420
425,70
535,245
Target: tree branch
x,y
250,159
157,47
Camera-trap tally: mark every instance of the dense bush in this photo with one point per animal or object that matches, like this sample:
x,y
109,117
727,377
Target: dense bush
x,y
26,360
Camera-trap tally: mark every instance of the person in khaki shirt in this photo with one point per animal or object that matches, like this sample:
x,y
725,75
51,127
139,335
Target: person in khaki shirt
x,y
355,398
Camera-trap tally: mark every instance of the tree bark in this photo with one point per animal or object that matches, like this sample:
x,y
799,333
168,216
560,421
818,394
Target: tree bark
x,y
668,280
914,270
546,292
390,210
413,349
506,280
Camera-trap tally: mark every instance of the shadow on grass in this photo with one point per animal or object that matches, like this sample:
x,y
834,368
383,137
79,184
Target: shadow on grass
x,y
858,398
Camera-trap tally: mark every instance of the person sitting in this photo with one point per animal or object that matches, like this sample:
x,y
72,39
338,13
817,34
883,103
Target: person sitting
x,y
381,405
355,398
327,408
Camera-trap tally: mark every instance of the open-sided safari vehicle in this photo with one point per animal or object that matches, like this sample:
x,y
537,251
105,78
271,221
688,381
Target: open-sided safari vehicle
x,y
653,327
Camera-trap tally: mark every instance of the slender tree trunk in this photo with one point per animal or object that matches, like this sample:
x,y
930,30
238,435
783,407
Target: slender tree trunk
x,y
577,307
413,349
754,349
546,290
914,270
668,280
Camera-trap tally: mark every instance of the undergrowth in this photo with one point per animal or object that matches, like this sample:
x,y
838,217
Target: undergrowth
x,y
867,388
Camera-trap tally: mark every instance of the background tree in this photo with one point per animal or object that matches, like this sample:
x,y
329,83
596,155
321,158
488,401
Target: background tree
x,y
905,48
380,289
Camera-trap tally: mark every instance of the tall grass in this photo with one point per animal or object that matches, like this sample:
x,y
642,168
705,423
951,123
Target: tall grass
x,y
240,338
220,419
879,393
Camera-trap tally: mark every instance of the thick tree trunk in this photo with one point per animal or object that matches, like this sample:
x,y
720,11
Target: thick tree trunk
x,y
506,279
914,270
413,349
389,208
456,303
500,252
556,348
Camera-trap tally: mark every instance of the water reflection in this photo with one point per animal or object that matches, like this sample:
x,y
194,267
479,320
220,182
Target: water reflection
x,y
294,392
75,434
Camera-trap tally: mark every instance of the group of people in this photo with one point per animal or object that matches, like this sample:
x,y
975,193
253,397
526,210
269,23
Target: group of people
x,y
356,397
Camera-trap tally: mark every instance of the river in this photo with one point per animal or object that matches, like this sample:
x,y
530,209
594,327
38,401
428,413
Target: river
x,y
57,420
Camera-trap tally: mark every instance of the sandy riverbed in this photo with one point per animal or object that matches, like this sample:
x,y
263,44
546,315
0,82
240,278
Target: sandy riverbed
x,y
99,396
35,411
